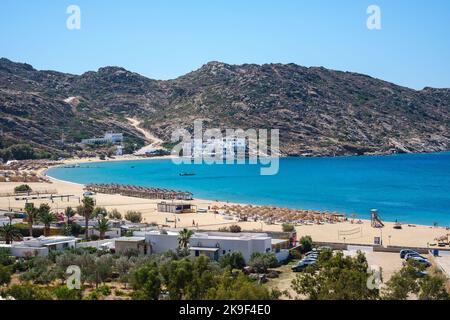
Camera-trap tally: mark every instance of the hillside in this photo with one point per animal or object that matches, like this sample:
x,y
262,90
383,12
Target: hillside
x,y
318,111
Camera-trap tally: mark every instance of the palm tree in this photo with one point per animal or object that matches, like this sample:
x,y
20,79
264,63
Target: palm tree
x,y
32,216
102,227
69,213
10,232
183,238
86,210
46,217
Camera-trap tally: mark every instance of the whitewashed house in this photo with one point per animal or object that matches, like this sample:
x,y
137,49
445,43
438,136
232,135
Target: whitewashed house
x,y
40,246
211,244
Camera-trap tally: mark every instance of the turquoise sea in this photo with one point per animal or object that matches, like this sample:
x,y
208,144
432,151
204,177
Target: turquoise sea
x,y
408,188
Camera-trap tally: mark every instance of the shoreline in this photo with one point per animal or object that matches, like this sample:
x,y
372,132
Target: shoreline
x,y
410,236
364,216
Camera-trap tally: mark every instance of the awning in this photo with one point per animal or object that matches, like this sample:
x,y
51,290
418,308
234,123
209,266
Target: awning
x,y
203,249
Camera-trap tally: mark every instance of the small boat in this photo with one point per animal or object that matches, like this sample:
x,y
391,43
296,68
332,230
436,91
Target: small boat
x,y
187,174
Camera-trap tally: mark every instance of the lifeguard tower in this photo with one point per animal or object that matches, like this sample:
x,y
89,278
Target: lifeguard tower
x,y
375,219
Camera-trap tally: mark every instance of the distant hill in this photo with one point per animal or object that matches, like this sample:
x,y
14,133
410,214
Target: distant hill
x,y
318,111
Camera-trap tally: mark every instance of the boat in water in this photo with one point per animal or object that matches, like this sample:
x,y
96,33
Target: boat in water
x,y
187,174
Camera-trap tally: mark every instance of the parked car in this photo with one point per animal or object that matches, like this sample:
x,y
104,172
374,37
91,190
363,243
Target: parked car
x,y
421,274
415,254
311,253
422,261
323,248
302,265
309,259
404,252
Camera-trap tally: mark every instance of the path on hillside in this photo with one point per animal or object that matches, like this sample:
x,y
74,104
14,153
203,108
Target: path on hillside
x,y
155,142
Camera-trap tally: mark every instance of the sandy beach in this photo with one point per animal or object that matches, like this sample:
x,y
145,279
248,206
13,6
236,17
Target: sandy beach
x,y
343,232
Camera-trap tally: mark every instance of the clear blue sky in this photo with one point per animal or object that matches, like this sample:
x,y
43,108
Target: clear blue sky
x,y
163,39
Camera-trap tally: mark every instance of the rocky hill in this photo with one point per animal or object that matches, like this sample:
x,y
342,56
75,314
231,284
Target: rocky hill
x,y
318,111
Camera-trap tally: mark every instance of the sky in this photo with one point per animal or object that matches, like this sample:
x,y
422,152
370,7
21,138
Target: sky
x,y
164,39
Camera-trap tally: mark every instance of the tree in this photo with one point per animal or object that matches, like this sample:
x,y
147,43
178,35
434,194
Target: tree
x,y
100,269
28,292
260,262
146,282
32,216
237,288
336,278
183,238
46,217
408,282
306,243
5,257
102,227
133,216
100,211
234,260
69,213
433,288
5,275
10,233
402,283
86,210
115,214
288,227
40,271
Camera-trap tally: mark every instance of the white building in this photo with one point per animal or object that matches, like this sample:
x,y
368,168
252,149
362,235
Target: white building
x,y
222,148
113,138
211,244
39,246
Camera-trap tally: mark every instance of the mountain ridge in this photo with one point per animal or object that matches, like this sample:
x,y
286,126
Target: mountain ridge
x,y
318,111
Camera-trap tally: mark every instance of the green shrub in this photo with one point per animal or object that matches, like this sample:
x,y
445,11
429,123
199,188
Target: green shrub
x,y
22,188
235,260
64,293
235,229
5,275
306,243
133,216
115,214
28,292
5,257
260,262
287,227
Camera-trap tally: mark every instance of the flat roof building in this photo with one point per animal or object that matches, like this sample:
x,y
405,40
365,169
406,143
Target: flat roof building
x,y
176,207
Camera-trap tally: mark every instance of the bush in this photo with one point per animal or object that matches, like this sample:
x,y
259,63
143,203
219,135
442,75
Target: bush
x,y
260,262
5,275
114,214
133,216
22,188
306,243
235,260
235,229
64,293
100,211
5,257
28,292
287,227
95,237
